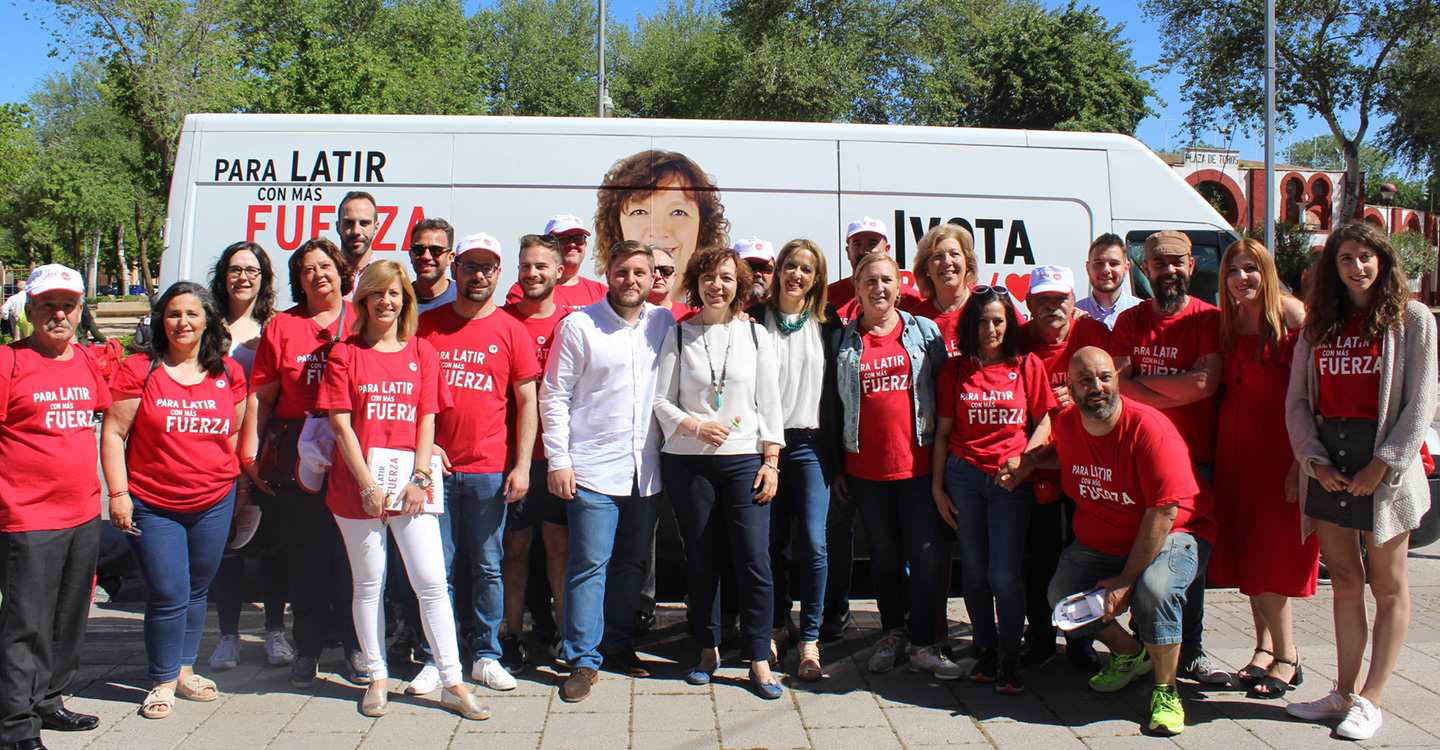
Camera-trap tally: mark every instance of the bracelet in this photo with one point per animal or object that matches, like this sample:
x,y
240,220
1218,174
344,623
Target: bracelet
x,y
118,493
423,470
368,491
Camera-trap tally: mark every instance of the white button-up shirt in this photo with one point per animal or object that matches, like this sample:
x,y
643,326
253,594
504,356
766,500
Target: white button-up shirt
x,y
596,401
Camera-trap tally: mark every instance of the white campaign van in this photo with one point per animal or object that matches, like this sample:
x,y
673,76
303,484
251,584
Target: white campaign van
x,y
1028,197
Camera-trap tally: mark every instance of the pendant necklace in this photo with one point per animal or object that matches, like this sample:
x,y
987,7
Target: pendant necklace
x,y
718,386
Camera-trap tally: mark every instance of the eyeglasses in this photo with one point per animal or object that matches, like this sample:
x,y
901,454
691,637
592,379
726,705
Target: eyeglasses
x,y
666,271
470,268
249,272
435,251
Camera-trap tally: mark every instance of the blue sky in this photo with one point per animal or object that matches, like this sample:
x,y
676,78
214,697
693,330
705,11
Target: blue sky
x,y
28,61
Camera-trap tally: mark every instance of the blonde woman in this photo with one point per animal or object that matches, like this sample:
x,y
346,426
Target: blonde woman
x,y
945,270
382,389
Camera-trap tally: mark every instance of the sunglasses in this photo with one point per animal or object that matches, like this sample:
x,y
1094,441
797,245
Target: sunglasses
x,y
998,291
761,266
666,271
435,251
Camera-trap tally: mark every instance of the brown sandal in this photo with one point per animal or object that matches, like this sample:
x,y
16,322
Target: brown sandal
x,y
809,669
198,689
159,703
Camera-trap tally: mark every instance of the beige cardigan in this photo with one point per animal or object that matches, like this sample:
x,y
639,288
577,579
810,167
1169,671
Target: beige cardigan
x,y
1407,404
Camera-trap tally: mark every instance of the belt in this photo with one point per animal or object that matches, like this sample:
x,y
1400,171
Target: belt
x,y
800,433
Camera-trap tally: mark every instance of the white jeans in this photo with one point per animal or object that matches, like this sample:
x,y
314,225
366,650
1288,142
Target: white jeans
x,y
420,547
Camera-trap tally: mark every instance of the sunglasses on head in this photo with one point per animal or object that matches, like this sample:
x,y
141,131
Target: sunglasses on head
x,y
998,291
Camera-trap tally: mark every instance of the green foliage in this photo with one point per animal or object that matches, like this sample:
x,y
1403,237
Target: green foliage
x,y
1411,83
1417,255
1377,165
1292,253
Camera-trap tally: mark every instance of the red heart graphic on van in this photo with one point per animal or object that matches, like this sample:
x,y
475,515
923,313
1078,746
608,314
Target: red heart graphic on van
x,y
1018,284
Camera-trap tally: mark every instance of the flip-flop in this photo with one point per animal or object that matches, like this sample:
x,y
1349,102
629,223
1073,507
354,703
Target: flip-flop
x,y
198,689
159,703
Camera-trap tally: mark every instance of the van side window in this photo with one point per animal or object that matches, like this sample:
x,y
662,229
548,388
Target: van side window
x,y
1207,247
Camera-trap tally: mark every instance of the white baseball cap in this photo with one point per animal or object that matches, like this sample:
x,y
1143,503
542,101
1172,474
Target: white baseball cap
x,y
866,224
565,224
755,248
478,241
54,277
1058,279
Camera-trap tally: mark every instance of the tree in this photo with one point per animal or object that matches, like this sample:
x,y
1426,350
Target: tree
x,y
1377,167
1330,57
1414,129
538,56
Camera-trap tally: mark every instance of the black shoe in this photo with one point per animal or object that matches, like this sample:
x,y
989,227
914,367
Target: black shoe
x,y
1037,651
514,656
65,720
833,628
1081,653
987,664
31,744
1007,677
302,671
644,622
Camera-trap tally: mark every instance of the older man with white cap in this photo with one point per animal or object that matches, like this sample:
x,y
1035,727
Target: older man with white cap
x,y
490,363
574,291
49,520
760,256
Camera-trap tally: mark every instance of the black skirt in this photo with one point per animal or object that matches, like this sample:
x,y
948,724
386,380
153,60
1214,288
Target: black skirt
x,y
1350,444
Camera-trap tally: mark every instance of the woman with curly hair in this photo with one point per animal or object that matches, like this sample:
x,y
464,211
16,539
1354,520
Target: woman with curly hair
x,y
1361,396
661,199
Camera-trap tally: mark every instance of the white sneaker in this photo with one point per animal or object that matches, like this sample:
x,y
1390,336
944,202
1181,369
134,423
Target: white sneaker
x,y
427,681
1332,706
882,659
1361,722
227,653
931,659
278,650
489,673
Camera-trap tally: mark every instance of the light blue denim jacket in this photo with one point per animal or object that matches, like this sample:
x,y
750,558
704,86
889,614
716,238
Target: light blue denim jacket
x,y
926,348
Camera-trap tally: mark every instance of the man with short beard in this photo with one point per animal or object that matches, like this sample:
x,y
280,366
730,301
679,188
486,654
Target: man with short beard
x,y
573,239
489,362
603,444
760,256
1108,267
1167,351
49,516
542,513
356,224
430,256
1140,531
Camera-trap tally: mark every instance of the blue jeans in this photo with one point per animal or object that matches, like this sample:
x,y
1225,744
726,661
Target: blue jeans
x,y
904,529
178,554
991,523
804,502
609,540
474,522
714,500
1158,598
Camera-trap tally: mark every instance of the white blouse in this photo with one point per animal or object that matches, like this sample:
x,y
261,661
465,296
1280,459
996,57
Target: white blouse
x,y
802,371
750,404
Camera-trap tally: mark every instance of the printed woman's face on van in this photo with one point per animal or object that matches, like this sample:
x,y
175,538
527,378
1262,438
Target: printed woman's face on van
x,y
668,219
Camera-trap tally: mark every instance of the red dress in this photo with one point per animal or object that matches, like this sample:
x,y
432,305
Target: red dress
x,y
1257,544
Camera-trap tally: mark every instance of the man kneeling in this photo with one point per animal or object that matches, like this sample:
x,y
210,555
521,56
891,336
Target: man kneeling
x,y
1142,527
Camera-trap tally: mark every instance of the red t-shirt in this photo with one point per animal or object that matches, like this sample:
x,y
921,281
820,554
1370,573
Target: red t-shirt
x,y
948,323
584,293
841,294
1347,372
292,352
1142,463
1084,331
1171,345
47,420
542,332
386,394
179,453
993,406
888,448
481,359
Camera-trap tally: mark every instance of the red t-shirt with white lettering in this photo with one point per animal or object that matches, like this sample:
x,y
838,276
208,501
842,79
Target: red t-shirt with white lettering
x,y
179,455
542,333
888,448
1347,372
1142,463
993,406
47,421
841,294
948,323
386,394
292,352
583,293
1169,345
480,360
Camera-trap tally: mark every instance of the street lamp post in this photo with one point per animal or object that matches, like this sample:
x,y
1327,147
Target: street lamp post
x,y
602,96
1270,125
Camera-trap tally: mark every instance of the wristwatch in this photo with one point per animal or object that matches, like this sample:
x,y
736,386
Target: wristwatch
x,y
422,480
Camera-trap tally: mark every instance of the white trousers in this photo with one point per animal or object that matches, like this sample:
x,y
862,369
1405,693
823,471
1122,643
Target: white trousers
x,y
420,547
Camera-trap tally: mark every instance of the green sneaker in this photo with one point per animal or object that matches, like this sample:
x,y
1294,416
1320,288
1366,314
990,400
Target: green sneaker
x,y
1167,716
1120,671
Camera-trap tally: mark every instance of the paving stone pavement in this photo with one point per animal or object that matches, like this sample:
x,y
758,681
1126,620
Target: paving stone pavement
x,y
850,708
